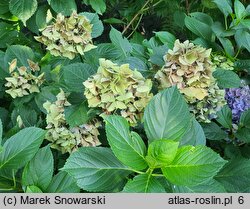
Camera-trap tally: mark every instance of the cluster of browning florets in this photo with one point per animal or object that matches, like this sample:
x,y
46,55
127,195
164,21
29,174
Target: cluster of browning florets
x,y
24,80
189,67
118,89
63,137
68,36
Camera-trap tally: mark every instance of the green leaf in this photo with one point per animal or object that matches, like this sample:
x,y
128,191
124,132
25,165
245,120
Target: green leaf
x,y
242,64
239,9
210,186
33,189
63,183
203,17
194,135
8,34
167,116
198,28
193,165
161,153
76,115
213,131
39,170
98,5
242,38
226,78
96,169
227,45
4,6
224,117
120,43
235,175
41,15
20,148
245,119
65,7
113,20
144,183
157,55
47,93
1,132
23,9
19,52
128,147
224,6
97,28
75,74
166,38
28,116
243,134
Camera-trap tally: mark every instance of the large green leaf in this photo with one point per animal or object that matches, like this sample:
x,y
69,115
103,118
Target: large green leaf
x,y
226,78
63,183
98,5
242,38
23,9
161,153
33,189
210,186
96,169
1,132
194,135
48,93
19,52
235,176
166,38
4,6
239,9
97,27
128,147
213,131
243,134
8,34
65,7
20,148
75,74
39,170
198,28
245,119
76,115
120,43
144,183
225,117
167,116
224,6
193,165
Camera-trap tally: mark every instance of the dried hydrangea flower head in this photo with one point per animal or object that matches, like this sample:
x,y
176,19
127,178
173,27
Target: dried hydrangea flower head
x,y
189,68
220,61
205,110
118,89
63,137
68,36
238,99
23,80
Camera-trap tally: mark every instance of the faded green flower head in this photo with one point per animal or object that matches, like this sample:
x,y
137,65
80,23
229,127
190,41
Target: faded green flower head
x,y
189,68
23,80
205,110
67,36
220,61
118,89
64,137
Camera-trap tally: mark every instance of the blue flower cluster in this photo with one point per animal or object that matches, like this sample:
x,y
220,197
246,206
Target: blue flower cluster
x,y
238,99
